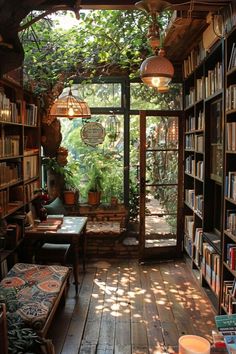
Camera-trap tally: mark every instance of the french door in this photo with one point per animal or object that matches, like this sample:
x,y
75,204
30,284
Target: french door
x,y
160,181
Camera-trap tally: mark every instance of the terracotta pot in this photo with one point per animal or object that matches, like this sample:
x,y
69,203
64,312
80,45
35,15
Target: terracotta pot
x,y
94,198
70,197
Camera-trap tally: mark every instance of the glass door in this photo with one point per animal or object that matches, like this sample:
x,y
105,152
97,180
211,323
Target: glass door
x,y
160,185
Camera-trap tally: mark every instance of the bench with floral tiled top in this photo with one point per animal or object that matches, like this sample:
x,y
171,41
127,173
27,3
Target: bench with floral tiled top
x,y
39,289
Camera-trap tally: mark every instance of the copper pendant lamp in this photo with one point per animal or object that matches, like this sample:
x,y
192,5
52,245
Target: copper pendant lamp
x,y
70,106
156,71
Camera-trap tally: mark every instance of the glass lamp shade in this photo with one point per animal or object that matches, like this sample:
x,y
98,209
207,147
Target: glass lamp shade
x,y
112,126
70,107
157,71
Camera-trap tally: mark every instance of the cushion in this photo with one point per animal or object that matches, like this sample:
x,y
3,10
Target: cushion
x,y
56,207
37,288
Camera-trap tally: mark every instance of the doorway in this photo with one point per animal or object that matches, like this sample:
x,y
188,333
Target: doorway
x,y
160,185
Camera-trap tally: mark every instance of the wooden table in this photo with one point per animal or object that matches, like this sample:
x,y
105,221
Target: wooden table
x,y
72,231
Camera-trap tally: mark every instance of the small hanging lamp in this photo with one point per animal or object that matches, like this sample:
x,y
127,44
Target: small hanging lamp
x,y
112,126
70,106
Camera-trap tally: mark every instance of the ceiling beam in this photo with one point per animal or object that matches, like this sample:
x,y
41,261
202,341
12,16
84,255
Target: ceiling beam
x,y
199,5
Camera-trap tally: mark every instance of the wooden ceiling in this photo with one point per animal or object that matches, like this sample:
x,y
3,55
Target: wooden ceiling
x,y
189,22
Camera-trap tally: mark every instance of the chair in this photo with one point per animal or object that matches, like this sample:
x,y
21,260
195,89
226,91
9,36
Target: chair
x,y
52,253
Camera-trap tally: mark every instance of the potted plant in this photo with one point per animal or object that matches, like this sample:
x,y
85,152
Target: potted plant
x,y
95,186
62,179
71,192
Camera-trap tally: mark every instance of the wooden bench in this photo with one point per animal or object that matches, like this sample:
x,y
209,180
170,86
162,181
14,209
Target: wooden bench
x,y
39,290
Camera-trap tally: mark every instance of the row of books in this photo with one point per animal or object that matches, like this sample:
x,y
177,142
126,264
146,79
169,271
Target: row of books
x,y
195,57
30,167
198,240
190,165
206,86
231,221
190,197
190,97
199,169
190,141
230,185
188,244
17,112
194,142
200,85
232,58
210,267
191,122
194,201
193,167
198,206
199,143
214,80
189,225
4,197
30,189
231,136
9,145
231,255
10,172
31,114
9,111
230,98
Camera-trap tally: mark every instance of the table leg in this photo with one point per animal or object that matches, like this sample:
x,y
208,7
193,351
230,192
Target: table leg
x,y
75,263
84,248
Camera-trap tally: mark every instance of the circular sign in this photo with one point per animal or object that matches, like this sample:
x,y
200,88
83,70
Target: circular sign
x,y
93,133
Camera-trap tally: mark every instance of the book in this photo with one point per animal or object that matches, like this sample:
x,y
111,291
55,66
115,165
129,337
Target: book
x,y
230,341
226,324
52,224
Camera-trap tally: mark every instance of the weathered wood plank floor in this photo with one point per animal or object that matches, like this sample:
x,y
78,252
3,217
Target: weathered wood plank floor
x,y
125,308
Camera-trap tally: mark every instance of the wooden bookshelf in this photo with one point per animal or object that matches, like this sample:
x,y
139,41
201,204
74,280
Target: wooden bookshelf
x,y
19,155
229,200
203,158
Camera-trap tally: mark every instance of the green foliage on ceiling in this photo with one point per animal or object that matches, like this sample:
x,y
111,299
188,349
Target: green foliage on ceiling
x,y
103,41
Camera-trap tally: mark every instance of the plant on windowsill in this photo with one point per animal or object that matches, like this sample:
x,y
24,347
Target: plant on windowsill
x,y
94,186
64,177
71,192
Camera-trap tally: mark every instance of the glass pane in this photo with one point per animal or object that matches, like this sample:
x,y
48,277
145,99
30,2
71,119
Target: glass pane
x,y
162,132
158,231
161,200
161,167
108,157
134,146
101,94
144,97
161,218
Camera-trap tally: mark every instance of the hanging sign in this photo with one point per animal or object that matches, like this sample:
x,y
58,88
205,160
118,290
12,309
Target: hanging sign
x,y
93,133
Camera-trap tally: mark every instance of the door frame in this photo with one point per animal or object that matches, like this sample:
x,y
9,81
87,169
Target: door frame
x,y
170,252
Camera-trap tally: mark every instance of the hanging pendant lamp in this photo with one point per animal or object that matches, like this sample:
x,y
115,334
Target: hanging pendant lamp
x,y
156,71
70,106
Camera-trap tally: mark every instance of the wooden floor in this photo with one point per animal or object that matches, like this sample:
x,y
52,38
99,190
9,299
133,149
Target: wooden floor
x,y
125,308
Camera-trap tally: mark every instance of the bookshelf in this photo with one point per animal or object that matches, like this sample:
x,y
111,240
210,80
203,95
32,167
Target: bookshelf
x,y
19,150
203,158
229,232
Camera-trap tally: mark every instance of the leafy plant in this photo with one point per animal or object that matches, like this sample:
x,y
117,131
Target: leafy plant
x,y
69,172
95,180
133,201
